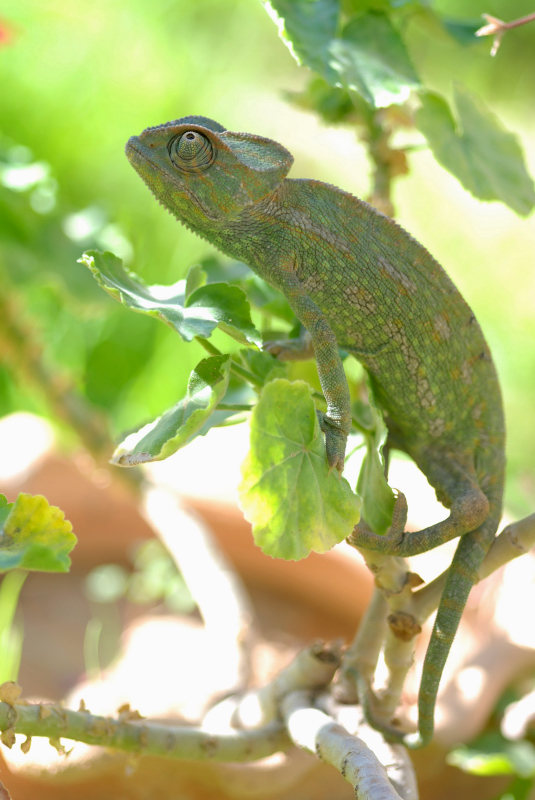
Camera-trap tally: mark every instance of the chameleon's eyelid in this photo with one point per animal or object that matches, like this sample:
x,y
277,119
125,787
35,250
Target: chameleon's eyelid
x,y
200,159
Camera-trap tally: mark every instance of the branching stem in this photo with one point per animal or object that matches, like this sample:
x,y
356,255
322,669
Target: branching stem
x,y
496,27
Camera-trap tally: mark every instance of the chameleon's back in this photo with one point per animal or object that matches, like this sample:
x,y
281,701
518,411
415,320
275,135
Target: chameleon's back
x,y
393,306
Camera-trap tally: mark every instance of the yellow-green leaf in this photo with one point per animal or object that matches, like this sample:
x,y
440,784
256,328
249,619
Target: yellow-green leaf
x,y
295,503
34,535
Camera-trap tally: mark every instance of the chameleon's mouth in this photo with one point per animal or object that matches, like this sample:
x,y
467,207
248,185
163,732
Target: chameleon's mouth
x,y
135,154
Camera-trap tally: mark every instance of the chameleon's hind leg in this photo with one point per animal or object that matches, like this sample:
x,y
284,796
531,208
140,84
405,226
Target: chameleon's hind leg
x,y
469,508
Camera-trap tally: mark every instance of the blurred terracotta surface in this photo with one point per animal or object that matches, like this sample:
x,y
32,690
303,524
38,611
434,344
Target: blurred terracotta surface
x,y
104,518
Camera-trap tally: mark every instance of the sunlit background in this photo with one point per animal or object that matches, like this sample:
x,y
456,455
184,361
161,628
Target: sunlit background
x,y
78,78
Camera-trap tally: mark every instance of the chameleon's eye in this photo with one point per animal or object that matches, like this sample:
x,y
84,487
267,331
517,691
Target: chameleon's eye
x,y
191,151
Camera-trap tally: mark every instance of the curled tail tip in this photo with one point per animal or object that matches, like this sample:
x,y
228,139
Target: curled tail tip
x,y
415,741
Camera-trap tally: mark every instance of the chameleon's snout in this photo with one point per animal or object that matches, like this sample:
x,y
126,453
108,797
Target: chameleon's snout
x,y
131,146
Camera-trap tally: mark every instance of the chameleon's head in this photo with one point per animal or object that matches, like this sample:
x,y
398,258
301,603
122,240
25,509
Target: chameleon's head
x,y
201,172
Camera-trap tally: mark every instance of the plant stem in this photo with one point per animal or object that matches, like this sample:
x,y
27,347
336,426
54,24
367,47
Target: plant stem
x,y
53,722
234,407
236,368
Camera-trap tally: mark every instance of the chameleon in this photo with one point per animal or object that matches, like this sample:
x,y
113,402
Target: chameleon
x,y
358,281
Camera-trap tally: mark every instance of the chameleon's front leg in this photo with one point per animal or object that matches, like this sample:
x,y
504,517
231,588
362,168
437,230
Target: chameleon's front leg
x,y
319,341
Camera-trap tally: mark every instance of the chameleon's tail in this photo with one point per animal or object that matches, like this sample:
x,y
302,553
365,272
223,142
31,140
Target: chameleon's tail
x,y
462,574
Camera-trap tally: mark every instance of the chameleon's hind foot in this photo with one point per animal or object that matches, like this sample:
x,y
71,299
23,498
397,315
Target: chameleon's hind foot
x,y
362,535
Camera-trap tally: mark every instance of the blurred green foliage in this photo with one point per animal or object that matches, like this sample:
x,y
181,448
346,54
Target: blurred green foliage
x,y
78,79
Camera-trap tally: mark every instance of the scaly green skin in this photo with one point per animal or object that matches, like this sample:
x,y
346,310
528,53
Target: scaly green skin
x,y
355,279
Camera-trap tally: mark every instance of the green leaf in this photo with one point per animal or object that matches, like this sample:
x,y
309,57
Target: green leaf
x,y
371,59
263,365
377,497
307,27
187,419
229,307
219,271
519,789
268,299
462,30
34,535
208,307
482,155
295,503
333,104
492,754
195,278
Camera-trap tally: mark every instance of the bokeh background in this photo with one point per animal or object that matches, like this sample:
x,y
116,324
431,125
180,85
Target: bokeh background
x,y
78,78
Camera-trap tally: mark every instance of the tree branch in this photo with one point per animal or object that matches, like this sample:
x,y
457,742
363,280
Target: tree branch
x,y
313,668
515,540
317,732
53,722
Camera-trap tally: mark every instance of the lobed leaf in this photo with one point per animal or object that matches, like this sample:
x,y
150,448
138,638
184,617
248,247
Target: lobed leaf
x,y
370,58
295,503
482,155
191,417
198,314
34,535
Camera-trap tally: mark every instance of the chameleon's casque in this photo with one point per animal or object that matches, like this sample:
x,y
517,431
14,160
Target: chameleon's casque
x,y
356,280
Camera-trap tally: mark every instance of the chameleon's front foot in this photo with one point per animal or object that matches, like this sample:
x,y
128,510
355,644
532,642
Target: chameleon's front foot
x,y
335,441
299,349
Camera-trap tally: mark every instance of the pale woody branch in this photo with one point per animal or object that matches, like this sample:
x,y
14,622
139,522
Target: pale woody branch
x,y
515,540
218,591
313,668
317,732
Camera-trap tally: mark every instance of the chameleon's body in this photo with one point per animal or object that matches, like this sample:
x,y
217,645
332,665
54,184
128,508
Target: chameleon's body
x,y
357,280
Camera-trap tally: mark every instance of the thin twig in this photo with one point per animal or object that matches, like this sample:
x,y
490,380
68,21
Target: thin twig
x,y
140,736
497,28
363,653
